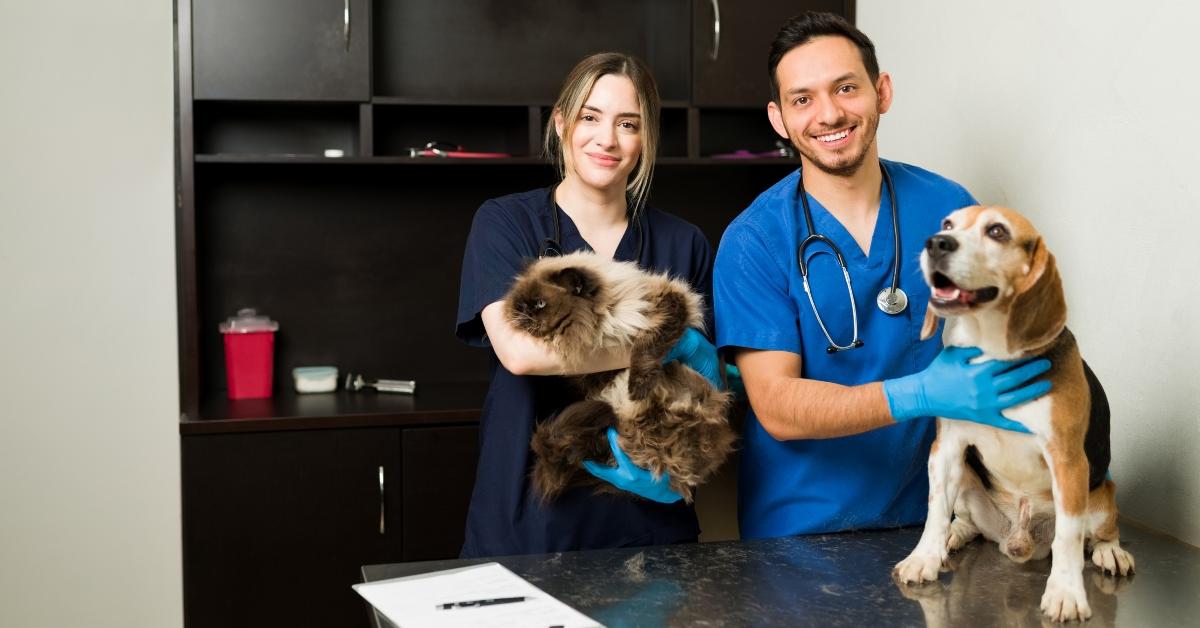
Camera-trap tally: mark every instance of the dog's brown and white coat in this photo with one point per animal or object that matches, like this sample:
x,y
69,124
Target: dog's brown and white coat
x,y
997,285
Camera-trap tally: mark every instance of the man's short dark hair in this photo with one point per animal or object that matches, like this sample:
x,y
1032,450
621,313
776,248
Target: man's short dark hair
x,y
809,25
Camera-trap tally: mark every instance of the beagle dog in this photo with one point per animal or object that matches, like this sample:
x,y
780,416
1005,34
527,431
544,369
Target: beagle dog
x,y
997,286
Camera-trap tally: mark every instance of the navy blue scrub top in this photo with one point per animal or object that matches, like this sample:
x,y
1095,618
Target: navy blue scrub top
x,y
506,516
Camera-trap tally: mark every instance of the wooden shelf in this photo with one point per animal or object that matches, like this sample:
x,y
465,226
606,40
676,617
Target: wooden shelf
x,y
442,102
390,159
436,403
458,161
710,161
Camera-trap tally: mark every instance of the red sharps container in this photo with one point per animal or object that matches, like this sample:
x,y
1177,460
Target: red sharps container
x,y
249,354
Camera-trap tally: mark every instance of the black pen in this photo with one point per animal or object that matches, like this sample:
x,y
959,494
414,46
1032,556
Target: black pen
x,y
473,603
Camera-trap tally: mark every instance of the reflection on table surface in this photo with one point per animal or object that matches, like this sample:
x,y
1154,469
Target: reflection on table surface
x,y
842,579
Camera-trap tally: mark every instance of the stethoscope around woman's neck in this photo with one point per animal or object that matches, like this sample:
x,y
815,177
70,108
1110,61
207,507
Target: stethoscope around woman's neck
x,y
552,247
890,300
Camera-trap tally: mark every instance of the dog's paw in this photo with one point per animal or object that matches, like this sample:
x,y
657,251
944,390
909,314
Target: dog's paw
x,y
918,567
961,533
1063,602
1108,556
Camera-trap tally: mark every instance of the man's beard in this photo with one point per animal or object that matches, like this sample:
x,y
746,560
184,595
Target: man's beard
x,y
841,169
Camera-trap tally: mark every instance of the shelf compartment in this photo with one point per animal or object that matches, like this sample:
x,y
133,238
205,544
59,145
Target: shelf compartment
x,y
476,128
726,130
283,129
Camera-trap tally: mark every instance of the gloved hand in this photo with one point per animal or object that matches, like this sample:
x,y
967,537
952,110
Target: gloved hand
x,y
695,351
630,477
953,388
733,380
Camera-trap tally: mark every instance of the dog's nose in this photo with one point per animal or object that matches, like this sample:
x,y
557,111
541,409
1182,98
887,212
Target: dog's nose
x,y
940,245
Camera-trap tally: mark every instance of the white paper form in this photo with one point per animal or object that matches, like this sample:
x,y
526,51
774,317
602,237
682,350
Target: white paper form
x,y
415,601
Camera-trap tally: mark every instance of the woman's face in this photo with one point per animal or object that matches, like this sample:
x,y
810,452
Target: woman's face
x,y
606,141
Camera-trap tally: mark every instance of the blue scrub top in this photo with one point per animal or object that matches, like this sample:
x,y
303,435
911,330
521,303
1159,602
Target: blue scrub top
x,y
505,516
873,480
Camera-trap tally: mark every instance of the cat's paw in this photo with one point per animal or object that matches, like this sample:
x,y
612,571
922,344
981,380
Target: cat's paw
x,y
641,384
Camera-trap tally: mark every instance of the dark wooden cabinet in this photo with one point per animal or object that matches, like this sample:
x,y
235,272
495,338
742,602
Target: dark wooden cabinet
x,y
730,42
277,524
281,49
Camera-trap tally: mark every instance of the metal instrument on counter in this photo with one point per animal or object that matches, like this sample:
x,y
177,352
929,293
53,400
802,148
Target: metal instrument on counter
x,y
402,386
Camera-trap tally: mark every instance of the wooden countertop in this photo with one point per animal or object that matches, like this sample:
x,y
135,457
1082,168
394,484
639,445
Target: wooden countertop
x,y
435,403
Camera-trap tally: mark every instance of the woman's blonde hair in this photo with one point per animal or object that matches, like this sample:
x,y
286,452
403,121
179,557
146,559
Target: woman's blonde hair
x,y
578,86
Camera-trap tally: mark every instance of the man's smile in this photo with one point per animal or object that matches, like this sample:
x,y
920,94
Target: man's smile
x,y
835,137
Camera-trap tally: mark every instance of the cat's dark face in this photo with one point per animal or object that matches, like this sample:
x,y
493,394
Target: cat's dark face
x,y
545,303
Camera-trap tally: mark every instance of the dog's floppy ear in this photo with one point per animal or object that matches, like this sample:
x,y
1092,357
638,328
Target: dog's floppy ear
x,y
1039,311
577,281
930,327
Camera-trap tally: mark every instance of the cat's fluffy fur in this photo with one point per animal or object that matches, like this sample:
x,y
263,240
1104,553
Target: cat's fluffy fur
x,y
670,419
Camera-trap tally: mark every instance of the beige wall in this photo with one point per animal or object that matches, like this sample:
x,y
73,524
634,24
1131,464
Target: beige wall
x,y
89,454
1080,114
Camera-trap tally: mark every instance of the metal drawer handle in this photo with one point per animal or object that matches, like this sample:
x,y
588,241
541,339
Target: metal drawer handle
x,y
716,49
346,23
382,510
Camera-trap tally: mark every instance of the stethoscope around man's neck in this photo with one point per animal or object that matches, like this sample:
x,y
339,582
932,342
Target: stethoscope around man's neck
x,y
552,247
890,300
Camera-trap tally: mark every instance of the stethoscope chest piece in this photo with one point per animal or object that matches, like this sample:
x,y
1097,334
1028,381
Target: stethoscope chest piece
x,y
891,301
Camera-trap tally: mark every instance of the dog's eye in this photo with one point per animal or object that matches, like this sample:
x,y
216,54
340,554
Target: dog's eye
x,y
539,304
947,225
998,232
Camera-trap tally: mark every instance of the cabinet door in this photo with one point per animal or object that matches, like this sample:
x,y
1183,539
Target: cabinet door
x,y
281,49
730,69
439,474
276,525
519,51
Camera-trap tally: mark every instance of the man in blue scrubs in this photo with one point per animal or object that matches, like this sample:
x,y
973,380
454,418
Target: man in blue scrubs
x,y
839,440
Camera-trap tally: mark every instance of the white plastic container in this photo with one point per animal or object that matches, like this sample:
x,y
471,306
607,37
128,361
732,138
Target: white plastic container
x,y
315,379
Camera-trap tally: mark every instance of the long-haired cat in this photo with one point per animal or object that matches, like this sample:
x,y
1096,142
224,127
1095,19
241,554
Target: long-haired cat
x,y
669,418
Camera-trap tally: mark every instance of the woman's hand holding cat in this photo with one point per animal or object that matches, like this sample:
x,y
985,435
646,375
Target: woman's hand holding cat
x,y
630,477
695,351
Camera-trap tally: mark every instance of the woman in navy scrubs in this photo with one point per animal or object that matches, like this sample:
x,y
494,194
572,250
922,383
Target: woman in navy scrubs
x,y
603,136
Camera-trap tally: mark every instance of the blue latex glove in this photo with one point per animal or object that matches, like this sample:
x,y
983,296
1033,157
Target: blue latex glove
x,y
733,380
695,351
953,388
630,477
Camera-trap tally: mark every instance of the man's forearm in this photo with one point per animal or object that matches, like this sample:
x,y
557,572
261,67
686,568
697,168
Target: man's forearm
x,y
791,408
